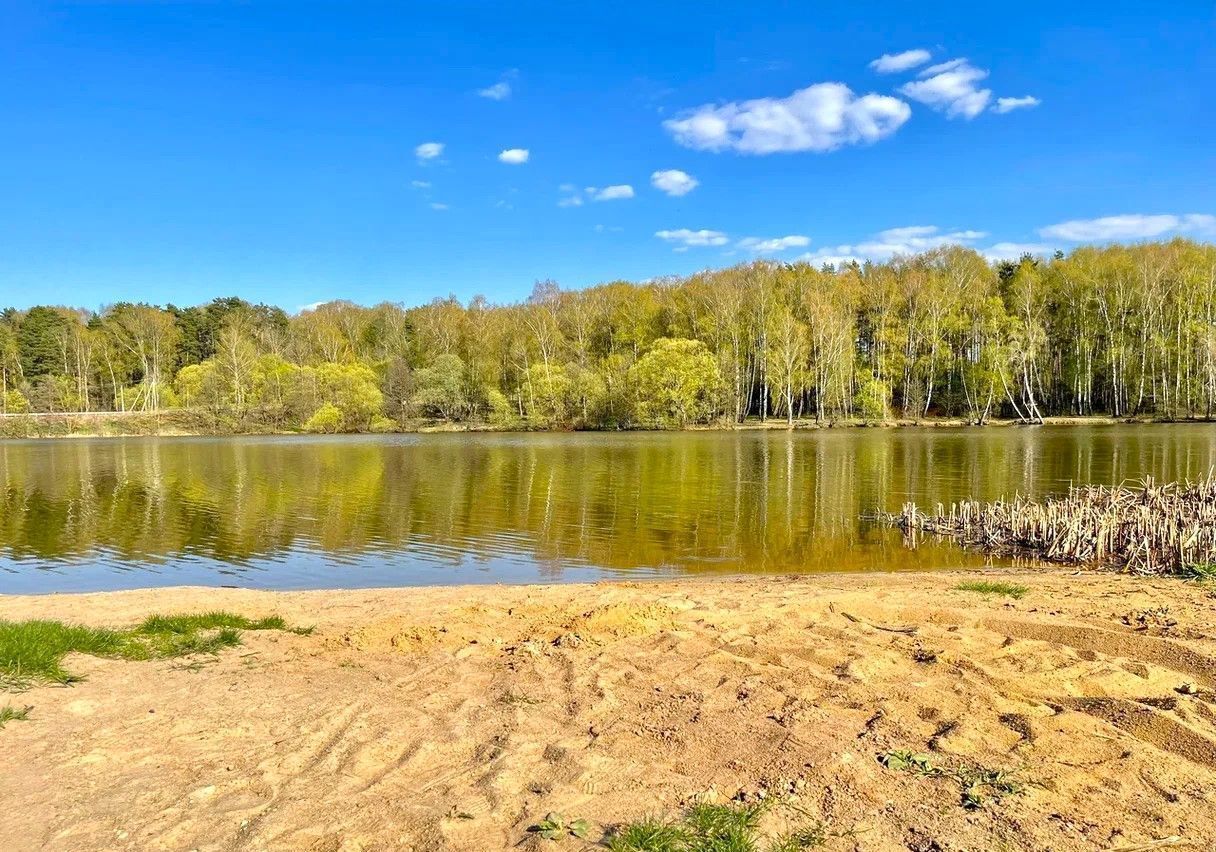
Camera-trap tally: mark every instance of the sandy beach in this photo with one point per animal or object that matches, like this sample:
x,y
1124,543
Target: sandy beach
x,y
455,718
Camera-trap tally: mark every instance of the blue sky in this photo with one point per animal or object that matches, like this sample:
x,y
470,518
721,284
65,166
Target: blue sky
x,y
178,151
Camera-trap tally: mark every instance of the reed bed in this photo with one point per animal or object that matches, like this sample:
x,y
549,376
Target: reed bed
x,y
1146,528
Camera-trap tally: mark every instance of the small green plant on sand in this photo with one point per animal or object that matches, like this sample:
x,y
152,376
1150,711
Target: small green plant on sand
x,y
992,587
32,652
977,784
555,826
980,784
917,763
14,714
714,828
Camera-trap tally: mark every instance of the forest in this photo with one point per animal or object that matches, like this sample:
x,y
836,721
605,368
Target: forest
x,y
1122,331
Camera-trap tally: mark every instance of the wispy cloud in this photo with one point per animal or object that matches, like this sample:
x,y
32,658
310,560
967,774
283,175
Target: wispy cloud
x,y
822,117
682,239
950,87
1014,251
890,63
1129,226
673,182
769,245
892,242
513,156
500,91
420,184
611,193
616,192
438,205
1004,105
428,151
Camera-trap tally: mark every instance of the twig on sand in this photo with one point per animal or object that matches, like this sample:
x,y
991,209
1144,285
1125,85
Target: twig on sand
x,y
1153,844
906,629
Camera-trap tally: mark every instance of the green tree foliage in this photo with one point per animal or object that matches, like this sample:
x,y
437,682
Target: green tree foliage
x,y
1118,330
40,340
325,420
354,390
550,395
677,383
14,402
873,398
439,389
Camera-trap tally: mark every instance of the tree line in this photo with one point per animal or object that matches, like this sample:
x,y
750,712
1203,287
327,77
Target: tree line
x,y
1117,330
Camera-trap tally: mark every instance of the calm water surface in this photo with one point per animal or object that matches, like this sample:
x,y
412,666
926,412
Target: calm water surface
x,y
407,510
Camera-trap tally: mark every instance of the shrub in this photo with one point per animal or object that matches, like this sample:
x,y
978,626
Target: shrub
x,y
325,420
676,382
16,403
873,397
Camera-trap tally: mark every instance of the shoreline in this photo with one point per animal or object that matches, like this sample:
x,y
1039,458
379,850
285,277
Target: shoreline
x,y
186,424
452,718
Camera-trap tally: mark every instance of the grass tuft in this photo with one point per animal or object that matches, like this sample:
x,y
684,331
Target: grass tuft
x,y
649,835
14,714
714,828
1203,573
993,587
32,652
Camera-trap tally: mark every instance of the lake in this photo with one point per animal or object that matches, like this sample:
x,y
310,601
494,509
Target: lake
x,y
304,512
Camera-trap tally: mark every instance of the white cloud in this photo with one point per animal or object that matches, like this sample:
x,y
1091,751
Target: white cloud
x,y
825,255
615,192
500,91
1004,105
890,63
436,205
611,193
822,117
943,67
420,184
1129,226
950,87
673,182
887,244
683,239
762,245
1014,251
513,156
429,150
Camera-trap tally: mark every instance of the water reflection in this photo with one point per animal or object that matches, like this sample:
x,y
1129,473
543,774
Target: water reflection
x,y
291,512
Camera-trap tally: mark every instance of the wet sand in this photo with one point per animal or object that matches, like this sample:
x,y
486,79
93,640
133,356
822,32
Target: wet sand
x,y
454,718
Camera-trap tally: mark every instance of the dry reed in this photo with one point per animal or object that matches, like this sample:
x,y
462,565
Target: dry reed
x,y
1147,528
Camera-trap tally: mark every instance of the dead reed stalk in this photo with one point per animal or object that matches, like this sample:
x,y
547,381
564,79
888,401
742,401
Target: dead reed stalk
x,y
1147,528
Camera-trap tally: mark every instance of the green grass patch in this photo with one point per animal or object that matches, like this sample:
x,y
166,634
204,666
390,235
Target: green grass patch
x,y
1203,573
993,587
13,714
32,652
714,828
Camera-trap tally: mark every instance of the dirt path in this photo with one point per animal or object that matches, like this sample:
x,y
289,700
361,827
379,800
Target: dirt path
x,y
454,718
